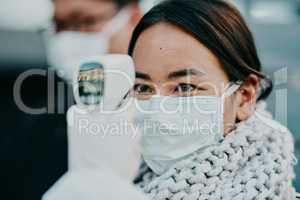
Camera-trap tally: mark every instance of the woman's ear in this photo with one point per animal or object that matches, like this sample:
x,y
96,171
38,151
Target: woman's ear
x,y
246,97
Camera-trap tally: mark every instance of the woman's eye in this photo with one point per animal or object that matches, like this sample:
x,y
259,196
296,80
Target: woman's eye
x,y
185,88
143,89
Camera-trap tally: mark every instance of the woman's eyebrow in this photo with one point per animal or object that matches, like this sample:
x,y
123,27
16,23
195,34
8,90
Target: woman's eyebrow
x,y
185,72
142,76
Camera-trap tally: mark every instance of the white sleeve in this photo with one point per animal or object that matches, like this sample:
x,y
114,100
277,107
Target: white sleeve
x,y
92,185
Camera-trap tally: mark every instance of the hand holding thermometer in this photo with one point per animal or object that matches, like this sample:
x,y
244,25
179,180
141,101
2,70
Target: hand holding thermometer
x,y
100,87
100,162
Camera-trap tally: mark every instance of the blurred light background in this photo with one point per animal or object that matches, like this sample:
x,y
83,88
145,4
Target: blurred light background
x,y
275,24
276,28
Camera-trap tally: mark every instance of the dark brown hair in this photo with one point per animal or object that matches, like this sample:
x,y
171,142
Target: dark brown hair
x,y
122,3
220,27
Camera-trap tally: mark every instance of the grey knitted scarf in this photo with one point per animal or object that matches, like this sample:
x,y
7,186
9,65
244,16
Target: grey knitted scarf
x,y
255,161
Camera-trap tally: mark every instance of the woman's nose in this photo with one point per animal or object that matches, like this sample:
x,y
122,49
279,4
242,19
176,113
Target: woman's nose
x,y
163,90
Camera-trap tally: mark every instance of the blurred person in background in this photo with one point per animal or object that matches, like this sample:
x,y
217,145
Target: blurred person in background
x,y
85,28
35,147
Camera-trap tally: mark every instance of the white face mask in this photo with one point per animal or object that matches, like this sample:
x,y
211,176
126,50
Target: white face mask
x,y
175,127
66,49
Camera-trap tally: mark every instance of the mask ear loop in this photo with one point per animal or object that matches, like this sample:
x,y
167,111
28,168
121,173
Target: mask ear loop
x,y
230,90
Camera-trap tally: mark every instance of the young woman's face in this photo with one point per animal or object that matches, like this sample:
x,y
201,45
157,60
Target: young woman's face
x,y
171,62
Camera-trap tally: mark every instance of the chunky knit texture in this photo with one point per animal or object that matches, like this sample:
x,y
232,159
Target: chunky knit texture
x,y
255,161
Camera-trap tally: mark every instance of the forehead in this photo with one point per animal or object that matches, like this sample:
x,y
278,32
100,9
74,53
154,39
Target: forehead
x,y
66,8
163,48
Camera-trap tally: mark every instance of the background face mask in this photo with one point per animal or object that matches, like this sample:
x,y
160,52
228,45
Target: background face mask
x,y
175,127
66,49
